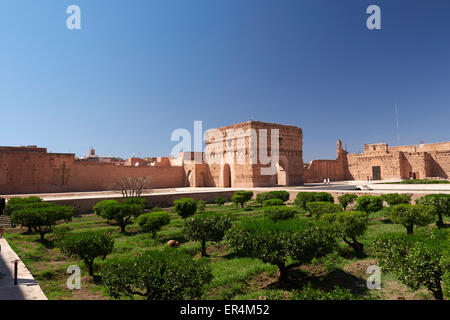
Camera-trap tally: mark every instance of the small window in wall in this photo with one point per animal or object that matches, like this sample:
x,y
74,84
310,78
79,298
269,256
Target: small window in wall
x,y
374,147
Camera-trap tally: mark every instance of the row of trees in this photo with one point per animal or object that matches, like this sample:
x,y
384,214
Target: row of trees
x,y
277,237
37,215
399,207
133,207
415,260
154,274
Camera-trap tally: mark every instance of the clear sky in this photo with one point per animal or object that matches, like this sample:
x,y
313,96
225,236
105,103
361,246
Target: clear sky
x,y
139,69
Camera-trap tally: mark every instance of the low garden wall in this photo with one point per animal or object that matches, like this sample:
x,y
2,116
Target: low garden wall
x,y
84,205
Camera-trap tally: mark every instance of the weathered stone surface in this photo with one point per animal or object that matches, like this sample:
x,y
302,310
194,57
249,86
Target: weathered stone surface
x,y
234,157
400,162
34,170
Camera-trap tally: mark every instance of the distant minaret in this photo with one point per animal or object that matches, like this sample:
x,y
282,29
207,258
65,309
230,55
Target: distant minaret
x,y
340,150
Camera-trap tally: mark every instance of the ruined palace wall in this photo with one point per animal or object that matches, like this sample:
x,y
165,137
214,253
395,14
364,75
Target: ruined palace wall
x,y
424,160
439,163
38,172
360,165
224,146
236,141
231,146
98,176
290,154
414,162
318,170
25,171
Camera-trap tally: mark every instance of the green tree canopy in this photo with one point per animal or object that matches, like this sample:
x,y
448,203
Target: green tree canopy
x,y
349,225
393,199
441,202
346,199
153,221
87,246
416,261
409,215
42,219
185,207
302,198
241,197
369,204
119,212
156,275
207,227
286,243
316,209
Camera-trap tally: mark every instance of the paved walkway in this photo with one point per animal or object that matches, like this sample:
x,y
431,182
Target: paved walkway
x,y
345,186
27,288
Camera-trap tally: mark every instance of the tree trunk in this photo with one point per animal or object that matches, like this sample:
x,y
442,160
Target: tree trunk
x,y
438,293
283,272
440,222
42,234
122,227
356,245
90,266
204,249
154,234
409,229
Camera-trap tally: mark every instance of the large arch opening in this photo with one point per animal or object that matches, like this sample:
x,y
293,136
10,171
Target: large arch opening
x,y
201,180
189,181
226,176
282,178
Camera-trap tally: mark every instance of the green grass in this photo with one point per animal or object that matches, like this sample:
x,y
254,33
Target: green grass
x,y
235,277
227,271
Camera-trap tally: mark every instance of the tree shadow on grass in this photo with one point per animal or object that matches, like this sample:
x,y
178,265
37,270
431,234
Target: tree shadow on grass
x,y
133,233
97,279
298,278
348,253
234,255
343,279
28,233
46,243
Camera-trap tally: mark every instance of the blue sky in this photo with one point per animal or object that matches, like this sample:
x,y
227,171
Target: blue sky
x,y
139,69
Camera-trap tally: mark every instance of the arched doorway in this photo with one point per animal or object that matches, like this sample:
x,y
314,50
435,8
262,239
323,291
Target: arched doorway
x,y
226,176
281,176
